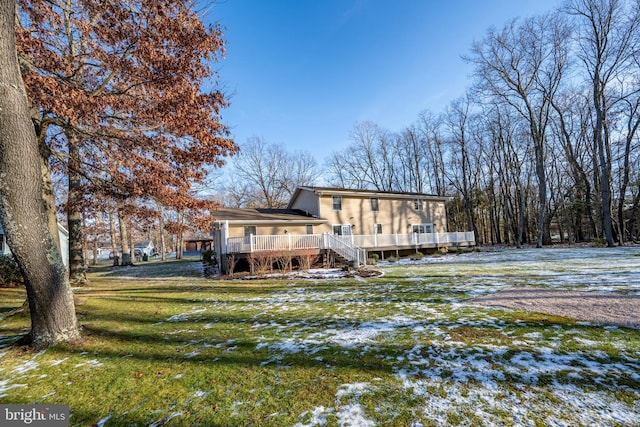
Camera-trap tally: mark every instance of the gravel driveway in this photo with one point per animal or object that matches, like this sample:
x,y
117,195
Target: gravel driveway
x,y
595,307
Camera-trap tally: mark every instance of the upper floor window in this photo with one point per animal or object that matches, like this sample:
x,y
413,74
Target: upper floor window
x,y
377,228
375,204
337,203
417,204
250,230
309,228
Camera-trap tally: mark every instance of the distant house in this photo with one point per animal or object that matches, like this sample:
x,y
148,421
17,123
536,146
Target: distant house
x,y
197,241
4,248
145,247
64,243
349,223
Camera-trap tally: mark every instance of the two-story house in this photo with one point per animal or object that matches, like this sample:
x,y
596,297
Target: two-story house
x,y
349,223
364,212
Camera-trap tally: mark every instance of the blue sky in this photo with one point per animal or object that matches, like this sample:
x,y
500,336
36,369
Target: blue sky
x,y
302,72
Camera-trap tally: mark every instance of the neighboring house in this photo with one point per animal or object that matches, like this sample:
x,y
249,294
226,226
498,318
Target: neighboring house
x,y
64,243
4,249
347,222
146,247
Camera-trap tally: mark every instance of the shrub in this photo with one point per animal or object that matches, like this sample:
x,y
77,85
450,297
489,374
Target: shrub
x,y
307,258
284,260
10,275
232,261
260,262
417,256
209,257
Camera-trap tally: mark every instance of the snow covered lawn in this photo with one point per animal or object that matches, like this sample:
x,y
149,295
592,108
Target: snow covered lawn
x,y
406,348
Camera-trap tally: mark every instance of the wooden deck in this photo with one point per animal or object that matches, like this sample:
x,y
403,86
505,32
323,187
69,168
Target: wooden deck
x,y
351,247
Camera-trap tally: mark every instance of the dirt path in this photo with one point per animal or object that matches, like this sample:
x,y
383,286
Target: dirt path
x,y
595,307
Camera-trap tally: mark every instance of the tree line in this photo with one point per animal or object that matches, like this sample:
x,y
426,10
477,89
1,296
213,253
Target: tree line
x,y
544,141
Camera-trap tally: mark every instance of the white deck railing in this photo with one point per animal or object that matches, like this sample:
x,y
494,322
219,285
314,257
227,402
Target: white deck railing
x,y
351,247
372,241
281,242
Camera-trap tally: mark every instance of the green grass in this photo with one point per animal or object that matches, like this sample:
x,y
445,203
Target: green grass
x,y
162,345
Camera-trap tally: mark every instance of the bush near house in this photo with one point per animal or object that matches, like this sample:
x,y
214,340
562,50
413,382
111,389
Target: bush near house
x,y
261,262
209,257
307,259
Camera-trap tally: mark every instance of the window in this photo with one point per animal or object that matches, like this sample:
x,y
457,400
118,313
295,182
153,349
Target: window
x,y
342,229
309,228
337,203
1,243
249,230
377,228
375,204
417,204
422,228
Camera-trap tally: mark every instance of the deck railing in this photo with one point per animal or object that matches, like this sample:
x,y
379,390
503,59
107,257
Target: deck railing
x,y
373,241
290,242
354,245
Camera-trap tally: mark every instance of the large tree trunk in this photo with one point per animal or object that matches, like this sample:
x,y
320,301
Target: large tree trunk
x,y
124,236
49,198
605,186
542,190
114,238
77,275
180,241
163,245
22,210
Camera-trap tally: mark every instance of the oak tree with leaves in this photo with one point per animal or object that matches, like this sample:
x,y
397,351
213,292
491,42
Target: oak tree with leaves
x,y
121,101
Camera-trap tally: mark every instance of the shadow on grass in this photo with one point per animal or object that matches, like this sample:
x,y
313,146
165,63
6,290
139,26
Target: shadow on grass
x,y
233,343
152,270
249,349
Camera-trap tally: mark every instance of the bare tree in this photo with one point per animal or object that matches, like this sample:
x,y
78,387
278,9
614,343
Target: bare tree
x,y
608,45
410,147
631,105
265,174
380,160
430,126
343,171
569,124
458,121
523,65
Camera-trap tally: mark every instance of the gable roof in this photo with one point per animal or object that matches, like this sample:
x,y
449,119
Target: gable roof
x,y
332,191
264,216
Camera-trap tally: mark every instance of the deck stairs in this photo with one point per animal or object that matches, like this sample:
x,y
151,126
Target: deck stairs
x,y
345,250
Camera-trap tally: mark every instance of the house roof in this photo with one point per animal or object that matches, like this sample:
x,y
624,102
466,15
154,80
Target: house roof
x,y
263,216
332,191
